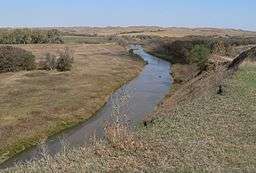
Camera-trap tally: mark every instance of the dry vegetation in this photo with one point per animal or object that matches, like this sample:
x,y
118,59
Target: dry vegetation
x,y
30,36
207,133
101,31
155,31
183,32
36,104
193,130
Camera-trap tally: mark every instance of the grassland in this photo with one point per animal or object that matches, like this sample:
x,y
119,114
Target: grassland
x,y
36,104
156,31
86,39
206,133
183,32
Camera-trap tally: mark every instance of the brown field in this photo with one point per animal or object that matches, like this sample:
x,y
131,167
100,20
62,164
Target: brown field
x,y
183,32
105,31
157,31
36,104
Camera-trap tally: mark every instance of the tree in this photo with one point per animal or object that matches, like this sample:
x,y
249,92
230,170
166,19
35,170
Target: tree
x,y
15,59
29,36
200,55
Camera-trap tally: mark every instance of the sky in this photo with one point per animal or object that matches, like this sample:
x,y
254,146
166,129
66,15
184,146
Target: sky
x,y
238,14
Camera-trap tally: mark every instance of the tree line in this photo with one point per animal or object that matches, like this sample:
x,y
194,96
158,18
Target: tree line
x,y
13,59
193,50
29,36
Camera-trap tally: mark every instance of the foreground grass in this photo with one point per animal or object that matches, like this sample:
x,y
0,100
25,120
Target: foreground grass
x,y
36,104
212,133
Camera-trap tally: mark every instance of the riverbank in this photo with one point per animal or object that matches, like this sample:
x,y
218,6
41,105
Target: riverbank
x,y
35,105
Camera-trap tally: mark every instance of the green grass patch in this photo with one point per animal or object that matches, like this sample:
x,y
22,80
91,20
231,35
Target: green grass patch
x,y
86,40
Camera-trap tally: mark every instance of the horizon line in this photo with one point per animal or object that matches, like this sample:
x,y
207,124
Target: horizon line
x,y
127,26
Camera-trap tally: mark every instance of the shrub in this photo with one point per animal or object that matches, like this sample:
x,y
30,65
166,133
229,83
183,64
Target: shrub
x,y
178,50
16,59
199,55
64,62
29,36
54,36
50,62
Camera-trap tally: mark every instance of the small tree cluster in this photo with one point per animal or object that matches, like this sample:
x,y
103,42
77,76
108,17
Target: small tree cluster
x,y
62,62
16,59
185,50
200,55
29,36
50,62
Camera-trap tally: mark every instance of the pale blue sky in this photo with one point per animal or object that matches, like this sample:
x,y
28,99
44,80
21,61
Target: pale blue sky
x,y
192,13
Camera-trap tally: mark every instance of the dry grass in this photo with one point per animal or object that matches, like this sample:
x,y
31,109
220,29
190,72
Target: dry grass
x,y
157,31
34,105
106,31
210,133
182,73
182,32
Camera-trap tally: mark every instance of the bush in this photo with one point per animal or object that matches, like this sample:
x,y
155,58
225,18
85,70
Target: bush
x,y
200,55
177,51
50,62
29,36
16,59
64,62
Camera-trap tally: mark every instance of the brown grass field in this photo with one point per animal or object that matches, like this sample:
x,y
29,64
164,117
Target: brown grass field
x,y
157,31
36,104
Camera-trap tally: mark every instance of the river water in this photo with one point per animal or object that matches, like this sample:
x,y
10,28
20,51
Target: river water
x,y
131,103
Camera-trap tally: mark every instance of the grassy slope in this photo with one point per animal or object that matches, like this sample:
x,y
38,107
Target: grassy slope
x,y
216,131
213,132
34,105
